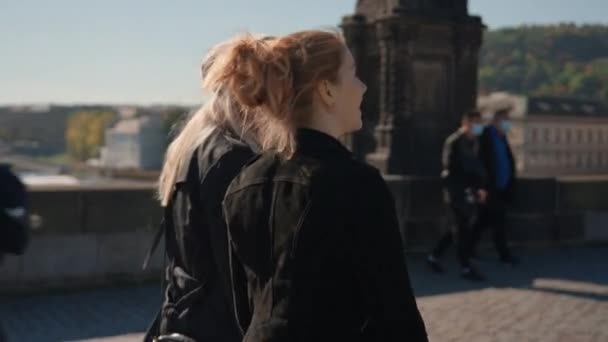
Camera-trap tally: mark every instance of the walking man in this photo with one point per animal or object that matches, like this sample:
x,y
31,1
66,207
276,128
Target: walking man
x,y
463,179
497,158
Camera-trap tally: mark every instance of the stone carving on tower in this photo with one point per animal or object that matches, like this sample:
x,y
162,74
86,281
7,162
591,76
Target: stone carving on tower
x,y
419,60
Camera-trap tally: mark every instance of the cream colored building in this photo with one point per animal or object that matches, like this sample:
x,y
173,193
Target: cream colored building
x,y
135,142
554,136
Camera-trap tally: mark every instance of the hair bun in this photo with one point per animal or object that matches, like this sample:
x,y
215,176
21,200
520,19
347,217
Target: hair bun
x,y
245,71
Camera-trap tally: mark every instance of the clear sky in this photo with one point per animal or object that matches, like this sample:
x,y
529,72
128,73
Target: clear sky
x,y
148,51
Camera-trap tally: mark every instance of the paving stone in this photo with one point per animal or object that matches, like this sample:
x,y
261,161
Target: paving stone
x,y
554,295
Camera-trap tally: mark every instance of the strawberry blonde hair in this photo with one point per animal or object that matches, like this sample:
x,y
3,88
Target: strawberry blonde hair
x,y
273,81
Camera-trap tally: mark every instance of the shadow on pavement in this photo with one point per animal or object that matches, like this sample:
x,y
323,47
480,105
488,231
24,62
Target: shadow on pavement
x,y
571,271
79,316
574,271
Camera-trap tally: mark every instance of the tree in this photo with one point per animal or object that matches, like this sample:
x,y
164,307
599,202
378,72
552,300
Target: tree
x,y
564,59
98,124
85,133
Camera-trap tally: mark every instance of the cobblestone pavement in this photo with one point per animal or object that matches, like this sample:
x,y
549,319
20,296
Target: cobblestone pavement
x,y
554,295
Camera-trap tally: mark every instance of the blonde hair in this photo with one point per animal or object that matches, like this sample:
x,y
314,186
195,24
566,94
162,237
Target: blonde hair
x,y
273,81
219,111
259,86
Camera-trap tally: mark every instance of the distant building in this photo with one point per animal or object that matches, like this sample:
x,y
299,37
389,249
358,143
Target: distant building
x,y
134,142
554,136
37,129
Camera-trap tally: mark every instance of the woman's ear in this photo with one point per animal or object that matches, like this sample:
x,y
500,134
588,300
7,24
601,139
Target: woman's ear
x,y
326,93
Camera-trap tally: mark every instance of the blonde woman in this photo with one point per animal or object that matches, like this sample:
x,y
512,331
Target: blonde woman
x,y
200,163
314,230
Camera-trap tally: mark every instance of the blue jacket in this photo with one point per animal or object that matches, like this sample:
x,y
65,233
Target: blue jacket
x,y
487,155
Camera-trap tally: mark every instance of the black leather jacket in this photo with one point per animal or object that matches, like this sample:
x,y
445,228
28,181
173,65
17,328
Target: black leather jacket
x,y
319,241
198,300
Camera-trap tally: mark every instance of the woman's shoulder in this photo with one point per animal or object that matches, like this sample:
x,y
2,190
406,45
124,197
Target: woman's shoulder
x,y
359,169
220,141
350,173
221,151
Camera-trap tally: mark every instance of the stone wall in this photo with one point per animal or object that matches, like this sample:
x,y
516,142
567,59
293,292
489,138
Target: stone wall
x,y
546,211
93,236
89,236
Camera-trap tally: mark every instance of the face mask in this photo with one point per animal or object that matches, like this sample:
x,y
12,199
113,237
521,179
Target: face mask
x,y
477,129
505,125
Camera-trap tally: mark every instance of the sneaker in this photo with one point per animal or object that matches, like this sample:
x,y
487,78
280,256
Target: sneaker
x,y
470,273
434,264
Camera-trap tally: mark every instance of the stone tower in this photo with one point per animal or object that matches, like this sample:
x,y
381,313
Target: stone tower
x,y
419,60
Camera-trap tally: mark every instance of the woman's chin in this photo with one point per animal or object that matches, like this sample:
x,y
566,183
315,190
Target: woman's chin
x,y
357,126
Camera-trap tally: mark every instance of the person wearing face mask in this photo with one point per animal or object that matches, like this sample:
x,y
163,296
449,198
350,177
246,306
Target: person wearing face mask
x,y
497,158
464,188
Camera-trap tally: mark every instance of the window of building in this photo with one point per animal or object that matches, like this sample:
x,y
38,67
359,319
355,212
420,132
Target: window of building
x,y
568,136
553,159
530,159
579,136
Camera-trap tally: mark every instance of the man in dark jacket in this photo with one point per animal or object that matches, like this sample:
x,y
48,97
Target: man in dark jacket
x,y
464,177
14,218
497,158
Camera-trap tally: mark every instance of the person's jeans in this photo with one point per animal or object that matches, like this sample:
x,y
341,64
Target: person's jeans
x,y
460,231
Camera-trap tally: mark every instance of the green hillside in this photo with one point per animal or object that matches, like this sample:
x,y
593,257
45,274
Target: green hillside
x,y
559,60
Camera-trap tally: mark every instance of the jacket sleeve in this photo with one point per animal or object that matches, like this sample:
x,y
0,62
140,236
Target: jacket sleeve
x,y
393,313
446,154
486,156
512,190
479,174
15,231
213,188
450,162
